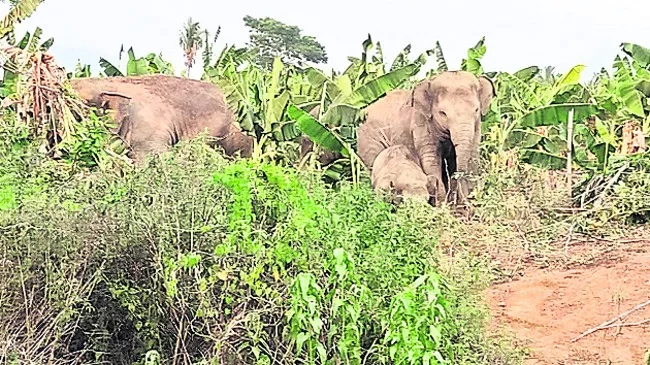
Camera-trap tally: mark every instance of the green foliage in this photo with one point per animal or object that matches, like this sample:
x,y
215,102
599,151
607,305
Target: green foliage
x,y
191,243
148,65
191,42
270,38
416,334
473,61
19,11
208,46
87,145
440,58
13,67
638,53
261,99
557,114
316,131
81,70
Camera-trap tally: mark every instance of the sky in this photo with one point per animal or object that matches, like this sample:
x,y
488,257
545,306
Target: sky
x,y
519,33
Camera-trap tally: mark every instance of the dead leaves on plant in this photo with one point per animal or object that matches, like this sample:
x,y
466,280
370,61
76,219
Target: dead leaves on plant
x,y
633,138
44,99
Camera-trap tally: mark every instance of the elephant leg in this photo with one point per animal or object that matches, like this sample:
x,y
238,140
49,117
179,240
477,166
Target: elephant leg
x,y
144,138
436,187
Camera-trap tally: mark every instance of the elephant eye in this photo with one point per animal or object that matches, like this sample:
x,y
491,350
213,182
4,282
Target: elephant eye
x,y
476,110
443,113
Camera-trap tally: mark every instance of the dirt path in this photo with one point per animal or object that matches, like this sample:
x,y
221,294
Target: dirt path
x,y
549,308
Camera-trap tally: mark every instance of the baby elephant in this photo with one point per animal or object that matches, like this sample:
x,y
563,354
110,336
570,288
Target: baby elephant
x,y
398,168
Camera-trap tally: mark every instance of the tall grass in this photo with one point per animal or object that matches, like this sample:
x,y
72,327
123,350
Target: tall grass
x,y
197,259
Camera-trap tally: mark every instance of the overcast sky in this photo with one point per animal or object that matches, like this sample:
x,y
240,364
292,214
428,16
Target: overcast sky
x,y
519,33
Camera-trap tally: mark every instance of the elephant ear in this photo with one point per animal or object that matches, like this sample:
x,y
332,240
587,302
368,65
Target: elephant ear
x,y
420,112
421,97
118,106
486,93
112,100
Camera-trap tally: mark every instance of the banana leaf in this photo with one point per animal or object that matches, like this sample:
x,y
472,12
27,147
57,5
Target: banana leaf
x,y
373,90
571,77
344,108
109,69
402,58
638,53
20,11
317,132
527,73
285,131
34,40
341,114
625,87
544,159
440,58
45,46
157,65
237,99
557,114
473,61
631,98
136,67
277,101
644,87
24,41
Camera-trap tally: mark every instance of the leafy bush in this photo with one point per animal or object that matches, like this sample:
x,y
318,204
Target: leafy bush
x,y
625,195
197,258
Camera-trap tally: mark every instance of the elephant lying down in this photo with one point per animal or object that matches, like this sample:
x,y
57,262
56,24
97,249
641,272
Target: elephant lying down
x,y
155,112
439,122
398,168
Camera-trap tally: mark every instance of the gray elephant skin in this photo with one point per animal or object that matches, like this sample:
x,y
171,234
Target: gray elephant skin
x,y
155,112
439,122
397,169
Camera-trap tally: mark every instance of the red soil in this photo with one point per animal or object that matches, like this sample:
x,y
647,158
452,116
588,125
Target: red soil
x,y
550,308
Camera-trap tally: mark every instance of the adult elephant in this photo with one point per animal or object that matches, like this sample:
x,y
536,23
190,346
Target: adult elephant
x,y
439,121
155,112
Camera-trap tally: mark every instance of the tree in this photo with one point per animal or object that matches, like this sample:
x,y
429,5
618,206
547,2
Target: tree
x,y
190,41
270,38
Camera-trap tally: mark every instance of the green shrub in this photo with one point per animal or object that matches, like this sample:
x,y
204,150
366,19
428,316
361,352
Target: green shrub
x,y
198,258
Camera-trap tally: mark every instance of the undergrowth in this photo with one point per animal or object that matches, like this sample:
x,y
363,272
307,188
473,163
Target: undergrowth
x,y
197,259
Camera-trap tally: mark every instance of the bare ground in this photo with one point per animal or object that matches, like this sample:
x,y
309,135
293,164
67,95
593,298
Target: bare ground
x,y
547,308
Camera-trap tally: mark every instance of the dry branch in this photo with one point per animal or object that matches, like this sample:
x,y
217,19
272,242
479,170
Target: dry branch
x,y
608,324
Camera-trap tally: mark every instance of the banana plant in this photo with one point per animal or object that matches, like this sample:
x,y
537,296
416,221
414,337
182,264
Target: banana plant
x,y
148,65
343,99
81,70
258,98
30,42
530,114
19,11
473,61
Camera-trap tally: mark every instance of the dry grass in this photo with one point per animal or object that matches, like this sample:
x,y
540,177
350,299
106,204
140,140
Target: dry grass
x,y
43,98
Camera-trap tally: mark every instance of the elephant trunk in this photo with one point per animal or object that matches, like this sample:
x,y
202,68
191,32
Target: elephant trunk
x,y
463,138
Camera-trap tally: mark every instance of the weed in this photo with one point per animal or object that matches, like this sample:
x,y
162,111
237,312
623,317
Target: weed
x,y
197,258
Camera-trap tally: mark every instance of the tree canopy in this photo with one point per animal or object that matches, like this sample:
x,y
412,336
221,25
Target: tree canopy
x,y
270,38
